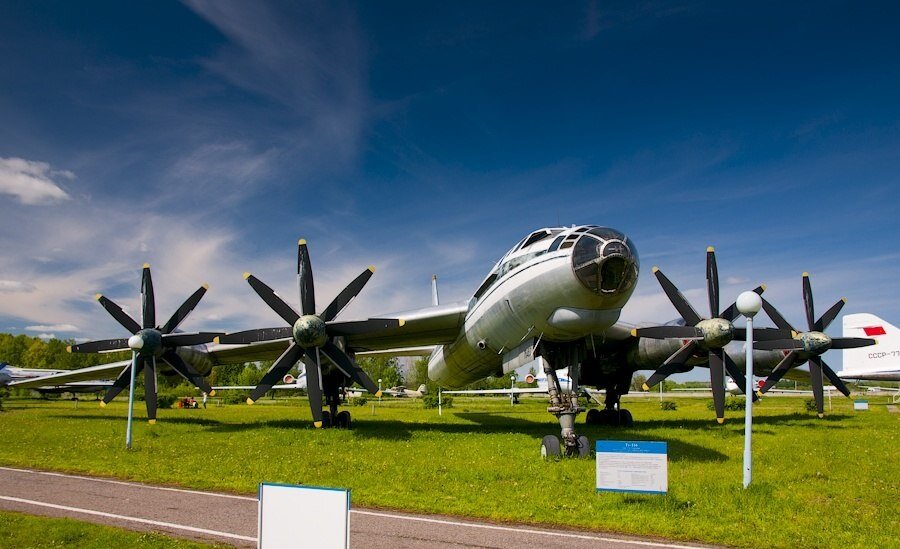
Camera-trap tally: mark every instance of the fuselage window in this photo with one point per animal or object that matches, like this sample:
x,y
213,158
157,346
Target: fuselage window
x,y
555,246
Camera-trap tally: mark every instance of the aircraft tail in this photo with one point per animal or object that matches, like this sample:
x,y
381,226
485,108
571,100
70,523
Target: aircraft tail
x,y
882,357
423,389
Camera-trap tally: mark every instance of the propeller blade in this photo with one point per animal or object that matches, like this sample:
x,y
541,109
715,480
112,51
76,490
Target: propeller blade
x,y
778,372
197,338
272,299
834,379
851,342
347,295
121,316
731,313
314,389
763,334
712,282
668,332
717,383
815,377
349,368
776,316
358,327
280,367
830,315
150,388
124,380
253,336
671,365
187,371
778,345
808,302
737,375
148,302
305,280
183,311
101,346
681,304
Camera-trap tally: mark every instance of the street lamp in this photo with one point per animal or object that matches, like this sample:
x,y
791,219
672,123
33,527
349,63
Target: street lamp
x,y
512,386
748,304
379,389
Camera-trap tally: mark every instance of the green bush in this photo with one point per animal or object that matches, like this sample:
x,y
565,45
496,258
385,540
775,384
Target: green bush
x,y
234,397
431,401
732,404
810,405
359,401
668,405
165,400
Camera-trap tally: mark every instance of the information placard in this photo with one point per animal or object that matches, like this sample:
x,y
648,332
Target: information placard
x,y
860,405
303,516
632,466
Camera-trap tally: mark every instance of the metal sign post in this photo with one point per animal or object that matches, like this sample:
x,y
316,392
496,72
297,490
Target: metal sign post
x,y
134,362
748,303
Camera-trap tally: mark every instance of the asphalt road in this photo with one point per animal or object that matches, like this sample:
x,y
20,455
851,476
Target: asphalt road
x,y
232,519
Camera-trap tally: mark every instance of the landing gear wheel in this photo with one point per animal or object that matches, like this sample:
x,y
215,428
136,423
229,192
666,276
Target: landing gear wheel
x,y
343,420
549,447
592,417
326,419
625,419
584,447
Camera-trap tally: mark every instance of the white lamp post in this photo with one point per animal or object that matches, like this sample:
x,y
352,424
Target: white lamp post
x,y
748,304
512,386
379,389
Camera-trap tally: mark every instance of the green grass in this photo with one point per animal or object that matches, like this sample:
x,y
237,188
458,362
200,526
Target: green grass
x,y
817,483
26,532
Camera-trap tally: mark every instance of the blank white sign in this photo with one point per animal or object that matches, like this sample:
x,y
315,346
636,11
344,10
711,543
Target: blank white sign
x,y
303,516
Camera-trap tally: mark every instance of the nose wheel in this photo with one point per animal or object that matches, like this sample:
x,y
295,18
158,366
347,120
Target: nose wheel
x,y
564,405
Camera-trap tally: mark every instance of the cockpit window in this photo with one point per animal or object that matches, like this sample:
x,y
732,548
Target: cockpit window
x,y
536,236
607,234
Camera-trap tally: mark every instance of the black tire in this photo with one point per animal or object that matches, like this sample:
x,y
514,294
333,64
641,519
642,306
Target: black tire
x,y
592,417
625,419
584,447
343,420
326,419
549,447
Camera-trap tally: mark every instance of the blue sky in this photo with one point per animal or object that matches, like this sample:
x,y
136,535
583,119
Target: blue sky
x,y
206,138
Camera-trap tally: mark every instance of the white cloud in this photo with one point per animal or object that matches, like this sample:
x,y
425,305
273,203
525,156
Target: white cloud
x,y
15,286
53,328
32,182
46,336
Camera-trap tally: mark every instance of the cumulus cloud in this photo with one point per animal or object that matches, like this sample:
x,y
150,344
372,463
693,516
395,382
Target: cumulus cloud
x,y
32,182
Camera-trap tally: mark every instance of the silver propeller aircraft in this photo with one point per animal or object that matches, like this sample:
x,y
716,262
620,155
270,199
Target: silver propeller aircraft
x,y
557,294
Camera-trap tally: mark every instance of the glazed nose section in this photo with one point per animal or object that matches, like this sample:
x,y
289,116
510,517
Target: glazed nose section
x,y
605,265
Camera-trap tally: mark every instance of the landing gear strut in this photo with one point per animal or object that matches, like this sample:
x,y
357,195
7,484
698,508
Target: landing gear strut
x,y
564,405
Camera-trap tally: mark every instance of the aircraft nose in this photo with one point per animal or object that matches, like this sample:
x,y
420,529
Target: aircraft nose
x,y
605,262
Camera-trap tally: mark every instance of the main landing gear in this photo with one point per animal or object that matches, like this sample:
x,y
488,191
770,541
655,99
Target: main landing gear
x,y
332,387
612,415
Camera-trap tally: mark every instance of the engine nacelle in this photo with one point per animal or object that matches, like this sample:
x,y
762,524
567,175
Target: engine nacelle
x,y
288,379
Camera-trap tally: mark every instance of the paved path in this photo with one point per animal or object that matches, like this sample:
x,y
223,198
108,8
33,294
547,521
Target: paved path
x,y
231,519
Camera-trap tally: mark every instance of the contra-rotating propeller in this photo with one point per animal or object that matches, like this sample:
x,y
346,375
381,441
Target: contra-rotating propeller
x,y
809,346
703,335
311,333
149,342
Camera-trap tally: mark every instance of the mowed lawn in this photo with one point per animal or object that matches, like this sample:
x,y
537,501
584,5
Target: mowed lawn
x,y
817,483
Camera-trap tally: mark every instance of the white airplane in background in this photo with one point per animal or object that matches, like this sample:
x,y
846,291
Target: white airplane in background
x,y
288,382
10,375
557,294
881,363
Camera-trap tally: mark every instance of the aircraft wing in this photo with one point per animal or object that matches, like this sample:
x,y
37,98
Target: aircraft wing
x,y
102,371
512,390
251,387
422,329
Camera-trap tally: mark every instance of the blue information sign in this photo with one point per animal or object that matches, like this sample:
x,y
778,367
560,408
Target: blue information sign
x,y
632,466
